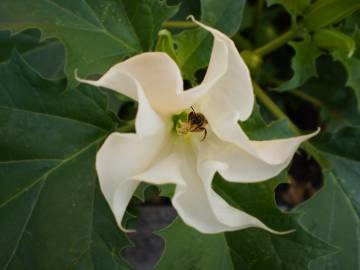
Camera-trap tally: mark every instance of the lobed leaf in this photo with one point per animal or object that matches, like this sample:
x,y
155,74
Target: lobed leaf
x,y
96,33
337,206
193,47
294,7
303,63
53,215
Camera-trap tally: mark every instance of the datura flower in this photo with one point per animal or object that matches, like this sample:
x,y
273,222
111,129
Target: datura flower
x,y
185,137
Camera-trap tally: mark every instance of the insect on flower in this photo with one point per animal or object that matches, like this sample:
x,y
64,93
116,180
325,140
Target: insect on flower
x,y
196,122
166,147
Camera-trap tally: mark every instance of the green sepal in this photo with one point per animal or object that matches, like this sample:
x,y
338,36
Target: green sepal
x,y
165,44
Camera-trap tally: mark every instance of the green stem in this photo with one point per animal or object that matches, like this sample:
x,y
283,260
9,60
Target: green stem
x,y
317,103
296,92
276,111
179,24
259,12
129,127
302,95
306,97
277,42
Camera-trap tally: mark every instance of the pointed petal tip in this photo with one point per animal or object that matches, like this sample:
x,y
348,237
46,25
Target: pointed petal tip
x,y
279,233
76,75
261,225
126,230
312,134
317,131
191,17
122,228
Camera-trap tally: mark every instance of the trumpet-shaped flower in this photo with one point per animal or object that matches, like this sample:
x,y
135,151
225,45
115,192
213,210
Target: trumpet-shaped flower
x,y
185,137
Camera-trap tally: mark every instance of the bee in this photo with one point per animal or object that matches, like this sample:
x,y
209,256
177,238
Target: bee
x,y
196,122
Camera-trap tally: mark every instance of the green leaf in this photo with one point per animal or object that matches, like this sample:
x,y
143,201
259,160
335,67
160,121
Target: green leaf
x,y
351,62
303,63
186,249
146,17
23,42
96,34
53,214
336,222
327,12
45,57
337,206
167,190
294,7
339,149
193,47
186,8
264,250
144,190
352,66
334,40
257,129
336,102
250,249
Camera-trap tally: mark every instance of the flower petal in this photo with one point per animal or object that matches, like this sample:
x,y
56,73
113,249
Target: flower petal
x,y
271,151
238,165
121,199
189,200
196,203
193,207
232,94
231,99
232,218
126,154
159,77
278,151
122,156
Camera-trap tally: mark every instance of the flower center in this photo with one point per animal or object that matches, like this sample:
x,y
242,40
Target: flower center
x,y
188,122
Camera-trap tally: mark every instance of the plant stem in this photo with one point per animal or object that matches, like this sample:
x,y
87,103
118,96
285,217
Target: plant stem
x,y
298,93
259,13
317,103
129,127
277,42
306,97
276,111
179,24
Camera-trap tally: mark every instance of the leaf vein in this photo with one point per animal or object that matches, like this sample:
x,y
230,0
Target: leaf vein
x,y
54,116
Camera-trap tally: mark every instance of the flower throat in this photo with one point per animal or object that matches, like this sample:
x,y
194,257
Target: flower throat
x,y
193,121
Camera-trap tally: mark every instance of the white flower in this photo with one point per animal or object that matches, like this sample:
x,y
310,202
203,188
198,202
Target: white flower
x,y
163,152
